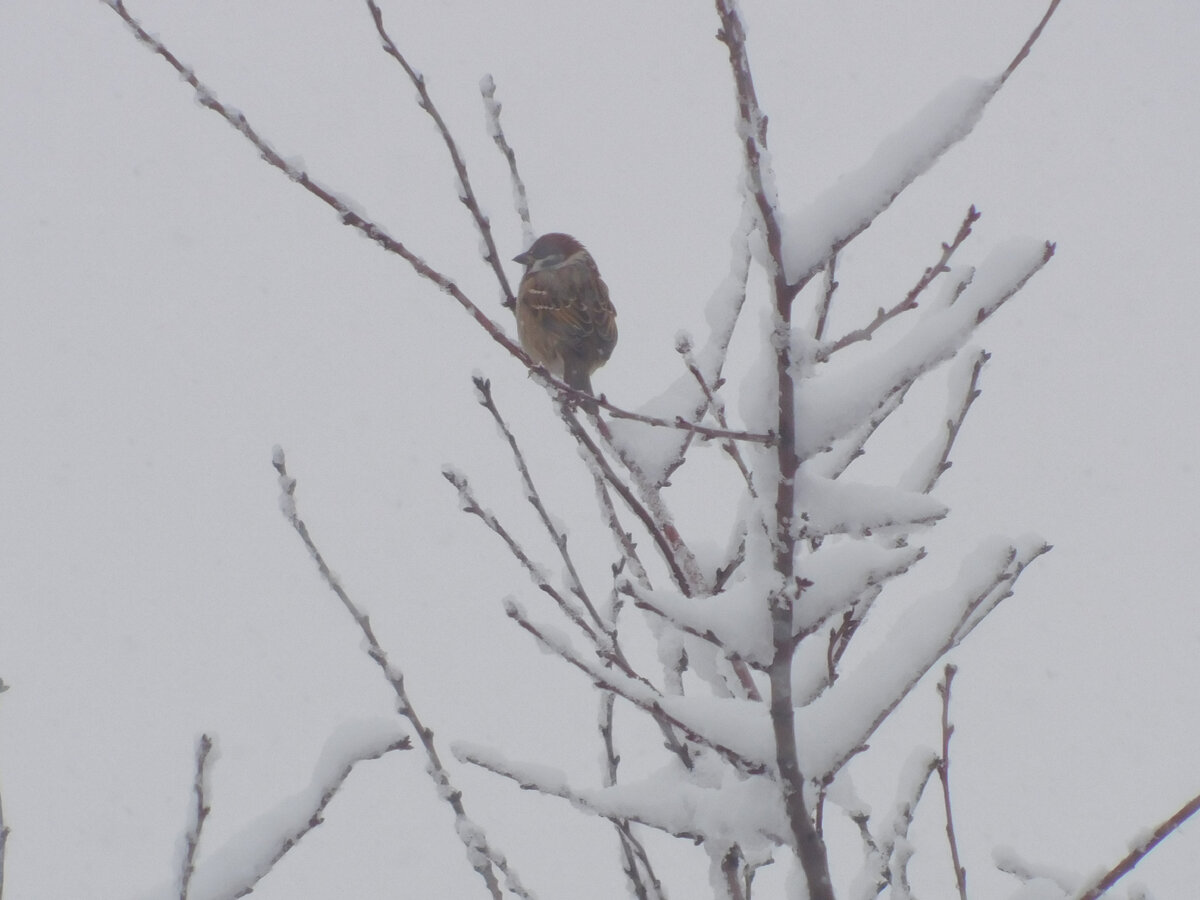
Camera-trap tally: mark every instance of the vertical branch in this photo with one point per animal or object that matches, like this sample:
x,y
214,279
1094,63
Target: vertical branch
x,y
943,769
199,814
809,846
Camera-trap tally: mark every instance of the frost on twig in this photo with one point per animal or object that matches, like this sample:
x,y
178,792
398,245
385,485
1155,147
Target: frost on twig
x,y
492,107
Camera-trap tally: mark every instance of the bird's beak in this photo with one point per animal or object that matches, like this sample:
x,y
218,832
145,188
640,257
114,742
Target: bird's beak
x,y
523,258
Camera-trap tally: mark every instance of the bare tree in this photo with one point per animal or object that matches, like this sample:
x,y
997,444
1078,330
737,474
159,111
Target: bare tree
x,y
759,704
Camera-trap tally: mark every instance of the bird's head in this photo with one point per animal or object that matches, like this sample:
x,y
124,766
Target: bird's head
x,y
548,252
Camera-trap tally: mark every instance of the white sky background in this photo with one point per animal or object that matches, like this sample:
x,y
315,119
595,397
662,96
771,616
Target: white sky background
x,y
173,308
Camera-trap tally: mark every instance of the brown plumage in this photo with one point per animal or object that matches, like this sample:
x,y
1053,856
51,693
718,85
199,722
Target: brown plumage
x,y
565,320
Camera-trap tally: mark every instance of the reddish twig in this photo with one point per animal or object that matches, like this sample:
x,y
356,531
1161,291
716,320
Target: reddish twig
x,y
882,316
1029,42
665,544
943,770
1138,853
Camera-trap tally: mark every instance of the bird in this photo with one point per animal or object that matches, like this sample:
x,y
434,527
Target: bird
x,y
565,320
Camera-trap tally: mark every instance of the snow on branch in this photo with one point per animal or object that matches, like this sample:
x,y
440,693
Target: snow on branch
x,y
842,719
887,856
842,399
910,300
741,744
964,391
491,108
848,208
838,576
234,869
726,807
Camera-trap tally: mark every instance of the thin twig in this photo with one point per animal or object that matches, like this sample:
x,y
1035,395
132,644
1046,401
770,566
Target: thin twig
x,y
199,815
634,860
998,589
718,411
1138,853
492,108
479,852
466,193
665,544
943,769
487,400
638,691
1029,42
831,285
954,425
470,504
883,316
316,817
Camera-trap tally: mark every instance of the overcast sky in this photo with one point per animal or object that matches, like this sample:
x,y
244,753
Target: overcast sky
x,y
173,308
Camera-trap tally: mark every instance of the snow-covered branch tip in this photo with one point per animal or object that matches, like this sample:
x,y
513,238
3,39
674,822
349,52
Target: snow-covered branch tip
x,y
467,193
492,107
236,868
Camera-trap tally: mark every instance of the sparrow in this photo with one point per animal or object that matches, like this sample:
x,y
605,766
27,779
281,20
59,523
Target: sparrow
x,y
565,320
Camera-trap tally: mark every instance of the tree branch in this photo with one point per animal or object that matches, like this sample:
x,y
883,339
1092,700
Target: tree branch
x,y
199,815
480,854
943,770
466,193
1138,853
